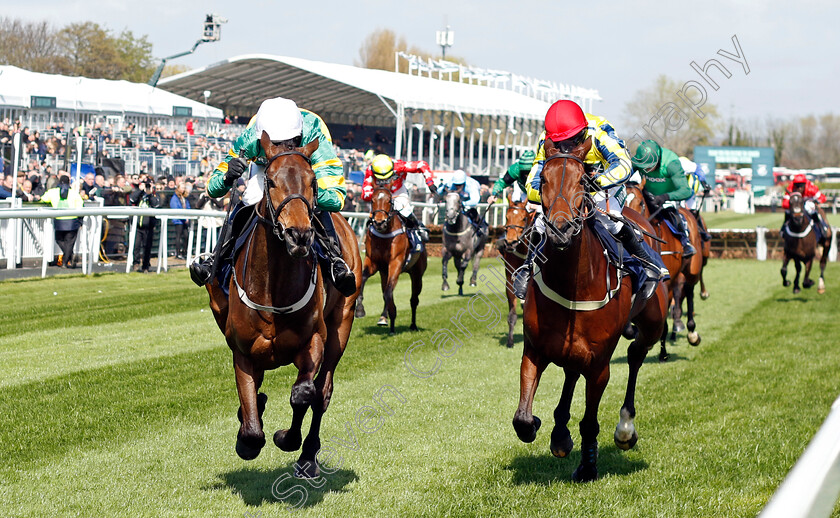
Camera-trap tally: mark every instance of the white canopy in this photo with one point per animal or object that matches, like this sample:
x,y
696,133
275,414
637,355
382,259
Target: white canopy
x,y
17,86
243,82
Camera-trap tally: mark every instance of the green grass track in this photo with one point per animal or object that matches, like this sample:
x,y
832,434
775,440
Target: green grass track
x,y
118,399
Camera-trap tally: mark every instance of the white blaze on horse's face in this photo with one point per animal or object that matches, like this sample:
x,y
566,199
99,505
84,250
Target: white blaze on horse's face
x,y
381,207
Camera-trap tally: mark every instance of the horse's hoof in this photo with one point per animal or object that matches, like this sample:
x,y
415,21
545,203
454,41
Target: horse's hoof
x,y
248,449
391,333
460,291
785,283
360,313
796,290
821,287
679,327
473,284
629,443
526,431
694,338
673,336
807,283
382,322
704,295
307,469
663,357
287,440
413,327
585,474
444,286
510,343
562,444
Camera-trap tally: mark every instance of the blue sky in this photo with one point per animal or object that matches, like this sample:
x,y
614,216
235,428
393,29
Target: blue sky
x,y
617,47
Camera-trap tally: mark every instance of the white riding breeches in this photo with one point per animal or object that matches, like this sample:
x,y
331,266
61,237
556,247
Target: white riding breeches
x,y
401,202
518,194
690,203
606,201
254,185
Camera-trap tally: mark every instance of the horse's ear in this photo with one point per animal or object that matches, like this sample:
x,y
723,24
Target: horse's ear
x,y
310,148
510,197
583,149
548,147
266,144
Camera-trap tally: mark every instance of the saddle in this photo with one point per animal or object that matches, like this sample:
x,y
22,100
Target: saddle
x,y
621,259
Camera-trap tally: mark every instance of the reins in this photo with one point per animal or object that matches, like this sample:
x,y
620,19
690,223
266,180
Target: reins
x,y
273,212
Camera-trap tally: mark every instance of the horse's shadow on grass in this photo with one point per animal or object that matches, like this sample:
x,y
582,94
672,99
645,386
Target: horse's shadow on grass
x,y
652,357
795,298
385,331
257,486
518,339
547,469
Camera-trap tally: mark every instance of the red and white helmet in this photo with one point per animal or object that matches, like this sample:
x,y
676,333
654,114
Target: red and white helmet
x,y
564,120
800,178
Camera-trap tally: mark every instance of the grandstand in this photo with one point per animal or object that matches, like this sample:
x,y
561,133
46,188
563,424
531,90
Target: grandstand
x,y
451,125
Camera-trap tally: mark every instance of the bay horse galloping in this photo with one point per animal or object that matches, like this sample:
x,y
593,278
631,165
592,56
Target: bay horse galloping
x,y
576,307
281,311
801,245
461,242
514,249
386,250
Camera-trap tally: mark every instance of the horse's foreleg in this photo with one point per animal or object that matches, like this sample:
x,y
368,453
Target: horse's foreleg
x,y
676,309
589,427
368,270
693,336
304,394
461,265
525,422
416,287
388,286
806,279
512,302
663,352
250,439
476,263
561,439
785,262
703,293
798,265
823,261
445,256
625,436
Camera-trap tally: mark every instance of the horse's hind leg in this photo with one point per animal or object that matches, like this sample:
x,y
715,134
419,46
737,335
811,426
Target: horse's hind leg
x,y
388,286
693,336
461,265
561,439
250,439
589,427
512,302
663,353
676,309
446,255
796,279
703,293
304,394
823,261
525,422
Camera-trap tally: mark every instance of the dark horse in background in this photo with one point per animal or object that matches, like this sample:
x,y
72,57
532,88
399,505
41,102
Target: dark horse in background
x,y
386,250
801,245
513,247
685,272
281,311
576,307
461,242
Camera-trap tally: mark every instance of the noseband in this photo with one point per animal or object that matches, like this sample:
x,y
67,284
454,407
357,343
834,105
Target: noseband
x,y
511,245
577,217
272,222
388,213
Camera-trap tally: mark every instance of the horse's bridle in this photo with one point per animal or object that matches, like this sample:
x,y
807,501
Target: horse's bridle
x,y
272,222
511,245
576,221
388,213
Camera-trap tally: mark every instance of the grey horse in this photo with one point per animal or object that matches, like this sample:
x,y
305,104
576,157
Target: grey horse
x,y
460,242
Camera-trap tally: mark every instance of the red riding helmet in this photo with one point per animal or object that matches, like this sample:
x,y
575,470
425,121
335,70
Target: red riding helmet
x,y
800,178
564,120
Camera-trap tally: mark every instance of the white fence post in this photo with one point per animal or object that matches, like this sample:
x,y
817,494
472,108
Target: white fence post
x,y
760,243
129,258
832,251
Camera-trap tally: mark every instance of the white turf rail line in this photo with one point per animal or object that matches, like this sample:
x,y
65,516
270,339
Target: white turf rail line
x,y
811,488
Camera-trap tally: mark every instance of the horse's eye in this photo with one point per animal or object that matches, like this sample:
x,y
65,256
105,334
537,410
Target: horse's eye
x,y
269,183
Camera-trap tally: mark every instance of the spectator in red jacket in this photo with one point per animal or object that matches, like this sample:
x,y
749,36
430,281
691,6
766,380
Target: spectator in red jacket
x,y
383,169
813,197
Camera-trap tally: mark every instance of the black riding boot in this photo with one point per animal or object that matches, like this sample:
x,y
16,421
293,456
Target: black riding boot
x,y
704,234
520,277
341,276
682,232
824,229
418,228
201,269
633,245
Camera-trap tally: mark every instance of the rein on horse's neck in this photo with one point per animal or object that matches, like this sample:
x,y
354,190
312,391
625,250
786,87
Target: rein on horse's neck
x,y
271,271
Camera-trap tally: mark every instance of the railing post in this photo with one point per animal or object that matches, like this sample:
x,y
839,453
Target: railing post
x,y
190,237
760,243
48,242
132,234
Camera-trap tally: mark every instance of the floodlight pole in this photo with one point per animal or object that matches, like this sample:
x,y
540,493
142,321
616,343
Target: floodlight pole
x,y
445,38
212,32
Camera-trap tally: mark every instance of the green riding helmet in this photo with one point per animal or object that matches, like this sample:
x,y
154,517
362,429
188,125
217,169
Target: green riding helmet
x,y
527,160
647,156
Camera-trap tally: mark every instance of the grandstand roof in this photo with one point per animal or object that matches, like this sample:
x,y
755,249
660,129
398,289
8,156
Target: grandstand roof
x,y
243,82
17,86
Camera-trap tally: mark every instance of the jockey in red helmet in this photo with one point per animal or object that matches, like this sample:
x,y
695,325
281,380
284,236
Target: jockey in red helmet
x,y
812,196
608,161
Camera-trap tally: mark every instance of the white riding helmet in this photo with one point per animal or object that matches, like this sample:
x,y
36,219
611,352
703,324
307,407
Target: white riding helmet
x,y
459,177
280,118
